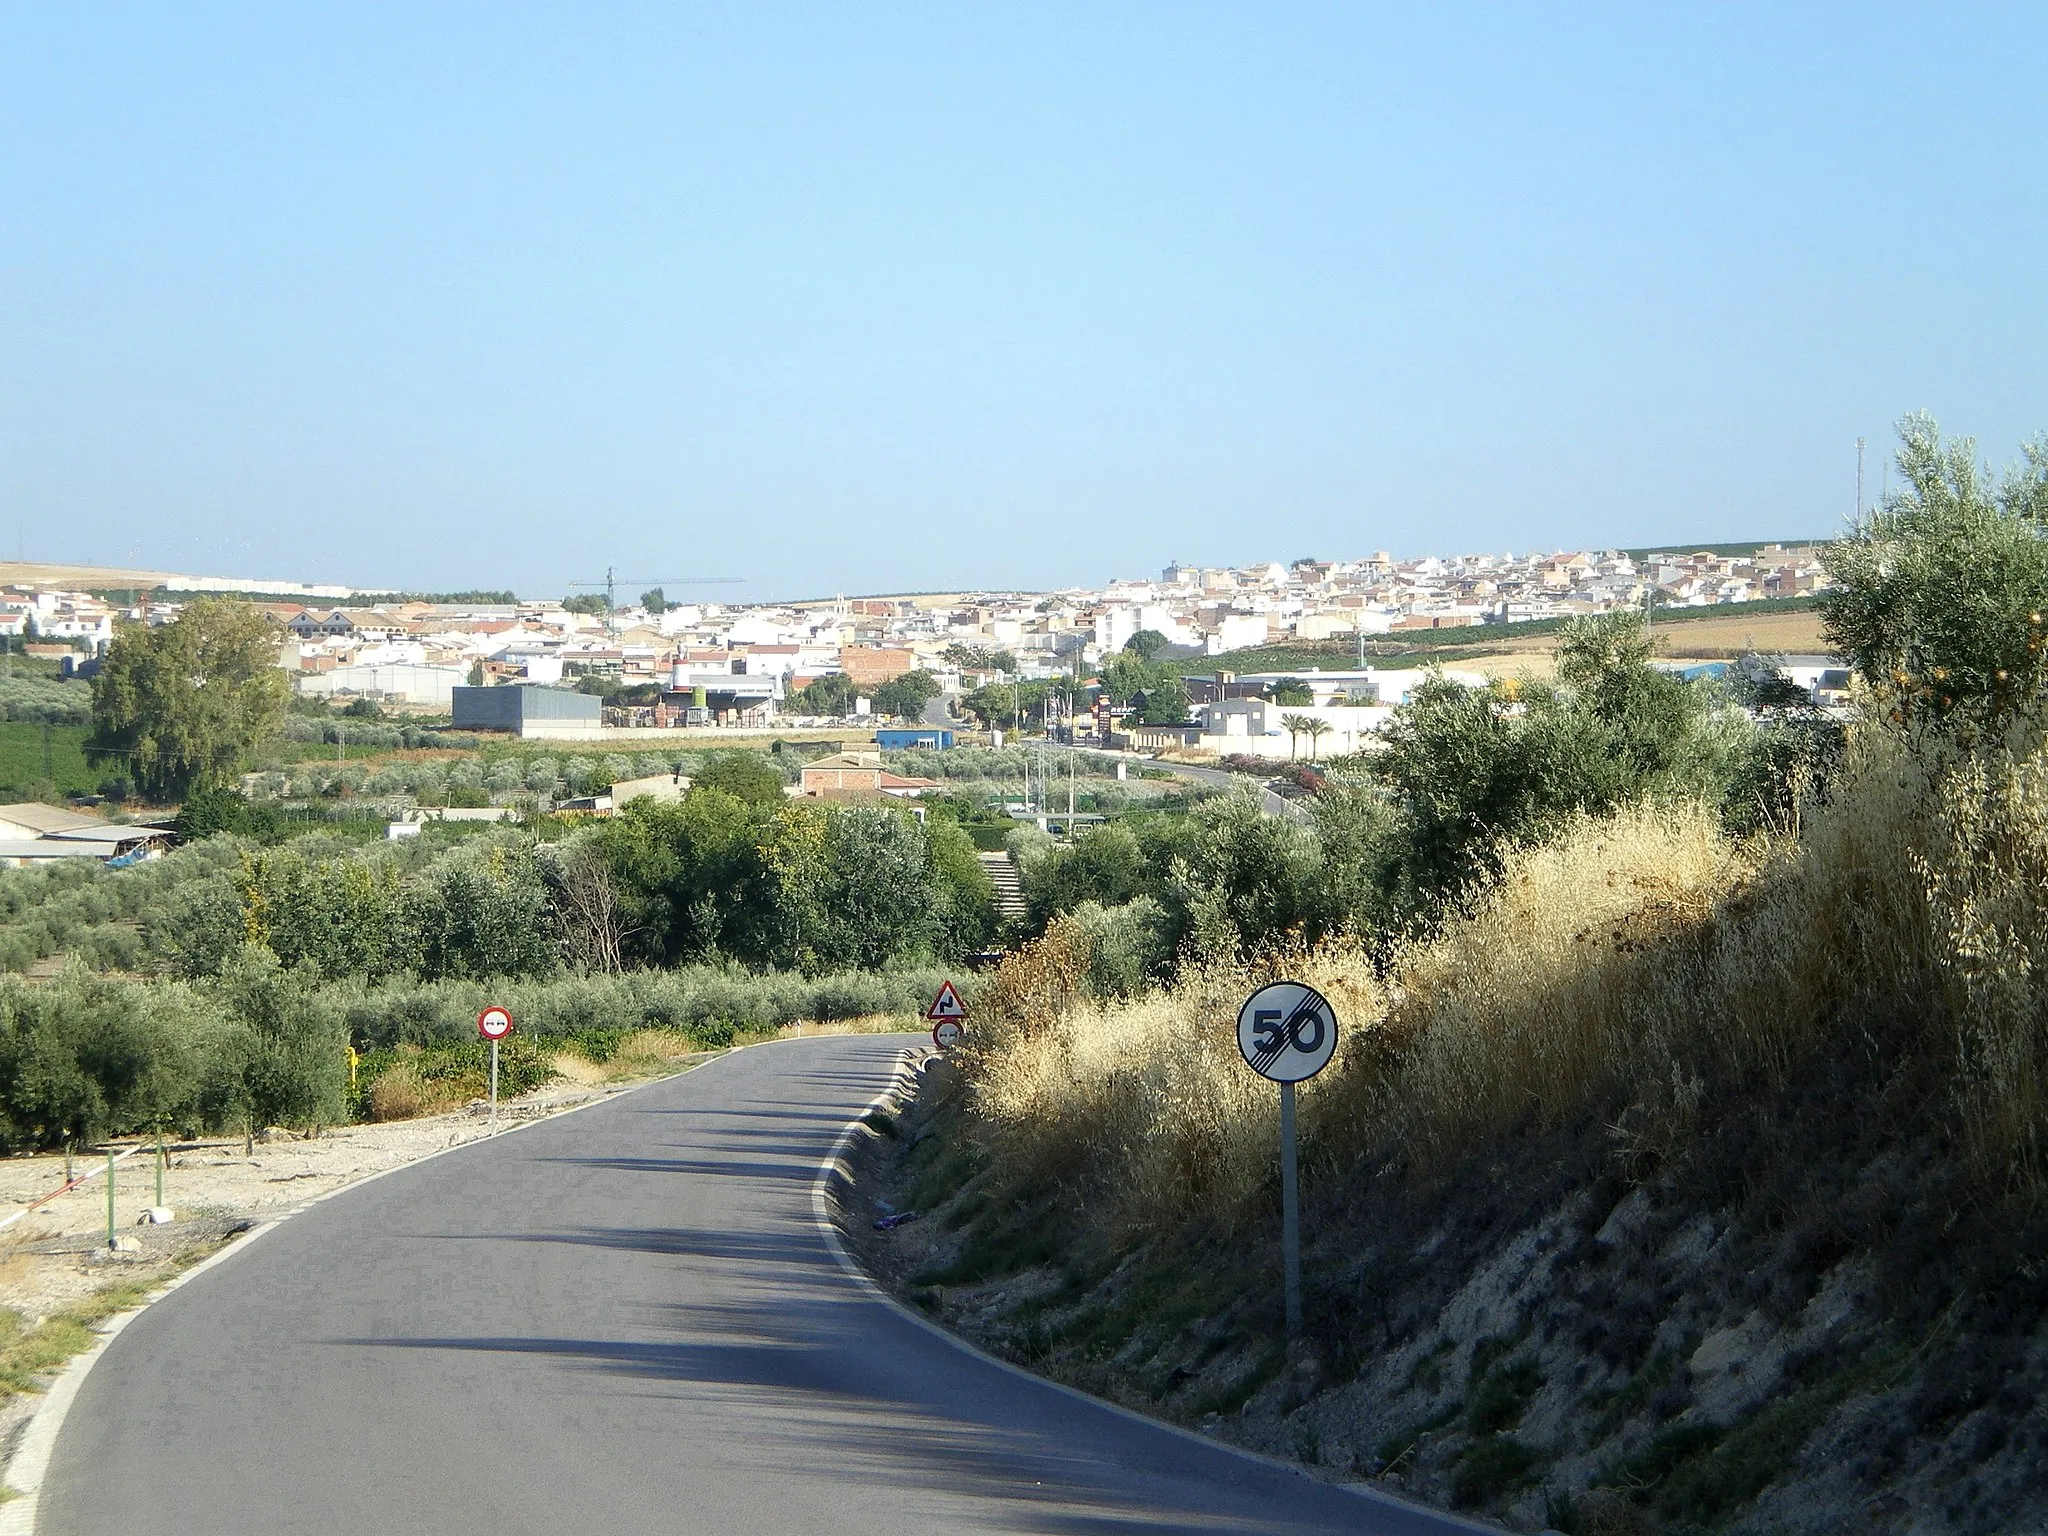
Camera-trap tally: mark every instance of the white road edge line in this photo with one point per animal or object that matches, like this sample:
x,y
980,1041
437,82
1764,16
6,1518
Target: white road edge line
x,y
30,1463
837,1167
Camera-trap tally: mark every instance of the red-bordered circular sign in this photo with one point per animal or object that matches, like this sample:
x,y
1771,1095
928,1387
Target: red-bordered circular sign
x,y
494,1023
946,1033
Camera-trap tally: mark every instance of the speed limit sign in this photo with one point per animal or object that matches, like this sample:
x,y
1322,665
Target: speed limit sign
x,y
1287,1031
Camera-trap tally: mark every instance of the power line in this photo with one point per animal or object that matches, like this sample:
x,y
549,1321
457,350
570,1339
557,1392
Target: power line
x,y
611,581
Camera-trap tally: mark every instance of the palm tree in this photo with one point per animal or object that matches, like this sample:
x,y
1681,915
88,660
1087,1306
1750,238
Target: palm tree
x,y
1315,730
1296,726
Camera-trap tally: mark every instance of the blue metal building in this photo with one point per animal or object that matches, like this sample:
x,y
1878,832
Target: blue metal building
x,y
527,711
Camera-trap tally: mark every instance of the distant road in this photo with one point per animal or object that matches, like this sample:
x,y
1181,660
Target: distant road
x,y
1219,778
622,1319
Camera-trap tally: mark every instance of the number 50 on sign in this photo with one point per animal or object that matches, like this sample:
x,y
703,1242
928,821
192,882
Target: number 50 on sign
x,y
1287,1032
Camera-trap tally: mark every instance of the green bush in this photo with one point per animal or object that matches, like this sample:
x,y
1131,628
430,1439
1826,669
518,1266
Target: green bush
x,y
197,926
1490,1467
85,1057
709,1002
295,1062
1942,600
1128,946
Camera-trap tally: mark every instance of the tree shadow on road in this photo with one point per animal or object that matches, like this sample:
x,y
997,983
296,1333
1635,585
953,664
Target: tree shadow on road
x,y
832,1385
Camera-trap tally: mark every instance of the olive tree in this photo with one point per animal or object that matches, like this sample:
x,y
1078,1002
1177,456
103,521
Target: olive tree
x,y
1942,593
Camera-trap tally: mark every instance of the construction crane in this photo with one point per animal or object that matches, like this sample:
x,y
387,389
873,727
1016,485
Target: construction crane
x,y
611,581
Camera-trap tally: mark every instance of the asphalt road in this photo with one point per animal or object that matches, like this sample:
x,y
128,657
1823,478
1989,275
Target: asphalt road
x,y
622,1319
1222,778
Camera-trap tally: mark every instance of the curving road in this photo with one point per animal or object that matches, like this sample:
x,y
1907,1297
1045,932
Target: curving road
x,y
1223,778
622,1319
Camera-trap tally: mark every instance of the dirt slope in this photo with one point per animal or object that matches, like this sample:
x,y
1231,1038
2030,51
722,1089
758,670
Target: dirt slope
x,y
1787,1334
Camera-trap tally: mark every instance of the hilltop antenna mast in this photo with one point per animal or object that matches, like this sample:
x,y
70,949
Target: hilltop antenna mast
x,y
612,580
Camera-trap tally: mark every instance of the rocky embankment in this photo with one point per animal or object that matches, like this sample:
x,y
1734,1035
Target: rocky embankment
x,y
1786,1334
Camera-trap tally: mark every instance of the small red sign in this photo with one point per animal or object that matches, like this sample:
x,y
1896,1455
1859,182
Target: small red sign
x,y
946,1006
494,1023
947,1033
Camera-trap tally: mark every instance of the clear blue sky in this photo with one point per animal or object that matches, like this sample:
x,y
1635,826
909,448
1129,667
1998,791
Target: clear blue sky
x,y
871,296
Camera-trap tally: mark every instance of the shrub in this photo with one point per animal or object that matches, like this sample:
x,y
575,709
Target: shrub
x,y
295,1052
1616,974
1128,946
1943,593
85,1057
397,1093
1489,1468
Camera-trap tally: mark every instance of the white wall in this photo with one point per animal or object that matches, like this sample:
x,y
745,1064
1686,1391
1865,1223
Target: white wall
x,y
1238,632
418,685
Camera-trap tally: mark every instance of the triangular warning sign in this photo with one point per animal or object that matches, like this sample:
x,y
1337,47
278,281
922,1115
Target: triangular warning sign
x,y
946,1005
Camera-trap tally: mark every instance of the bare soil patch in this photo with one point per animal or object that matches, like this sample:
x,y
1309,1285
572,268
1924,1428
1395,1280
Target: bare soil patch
x,y
1680,639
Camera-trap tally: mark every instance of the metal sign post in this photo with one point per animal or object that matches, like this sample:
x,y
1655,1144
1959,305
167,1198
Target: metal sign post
x,y
494,1024
1287,1032
1290,1214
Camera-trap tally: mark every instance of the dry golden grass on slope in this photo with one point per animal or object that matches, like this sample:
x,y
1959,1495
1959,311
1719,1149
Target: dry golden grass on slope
x,y
1152,1089
1679,638
1986,868
1622,971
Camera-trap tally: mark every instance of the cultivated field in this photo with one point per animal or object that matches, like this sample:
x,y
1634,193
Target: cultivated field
x,y
1680,639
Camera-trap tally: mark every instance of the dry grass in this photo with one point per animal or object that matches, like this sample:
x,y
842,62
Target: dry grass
x,y
1617,976
863,1024
1986,867
1797,633
1679,638
399,1093
1153,1091
643,1053
29,1354
1566,983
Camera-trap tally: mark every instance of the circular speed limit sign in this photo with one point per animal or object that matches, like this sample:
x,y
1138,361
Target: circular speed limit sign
x,y
1287,1031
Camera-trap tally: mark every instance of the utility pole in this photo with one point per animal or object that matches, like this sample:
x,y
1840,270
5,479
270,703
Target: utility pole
x,y
1073,756
1859,479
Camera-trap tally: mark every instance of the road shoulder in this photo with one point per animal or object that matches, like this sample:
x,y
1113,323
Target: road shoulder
x,y
859,1189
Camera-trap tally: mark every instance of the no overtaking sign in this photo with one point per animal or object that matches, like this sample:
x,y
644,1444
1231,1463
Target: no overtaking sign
x,y
494,1024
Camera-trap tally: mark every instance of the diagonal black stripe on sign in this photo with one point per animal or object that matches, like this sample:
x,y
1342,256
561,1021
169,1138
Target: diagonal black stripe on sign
x,y
1304,1011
